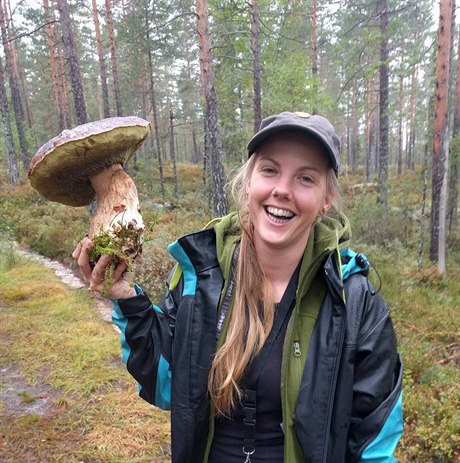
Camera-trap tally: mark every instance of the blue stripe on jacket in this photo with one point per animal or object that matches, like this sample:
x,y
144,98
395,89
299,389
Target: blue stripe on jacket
x,y
189,274
163,383
381,449
121,321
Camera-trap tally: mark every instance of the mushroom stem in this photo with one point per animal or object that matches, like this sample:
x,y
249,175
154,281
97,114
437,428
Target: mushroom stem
x,y
117,214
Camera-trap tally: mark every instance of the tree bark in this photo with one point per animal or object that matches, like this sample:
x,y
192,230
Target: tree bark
x,y
53,67
72,59
354,149
113,58
154,109
442,71
172,151
14,88
400,124
195,156
62,80
256,71
211,117
314,38
11,160
19,69
371,130
102,68
454,166
410,161
382,187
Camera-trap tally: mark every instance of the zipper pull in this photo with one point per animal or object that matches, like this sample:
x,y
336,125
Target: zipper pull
x,y
297,352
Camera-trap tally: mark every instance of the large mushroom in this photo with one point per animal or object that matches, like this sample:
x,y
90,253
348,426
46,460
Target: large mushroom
x,y
86,163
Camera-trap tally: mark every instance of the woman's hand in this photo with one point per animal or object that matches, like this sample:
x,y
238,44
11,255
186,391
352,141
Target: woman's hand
x,y
95,276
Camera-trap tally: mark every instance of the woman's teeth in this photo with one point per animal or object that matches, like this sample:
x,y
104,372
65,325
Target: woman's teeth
x,y
279,215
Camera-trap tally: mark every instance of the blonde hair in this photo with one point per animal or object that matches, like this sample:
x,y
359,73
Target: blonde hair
x,y
252,315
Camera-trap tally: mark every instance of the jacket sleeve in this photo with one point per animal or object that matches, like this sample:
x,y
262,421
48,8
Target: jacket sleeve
x,y
147,332
376,421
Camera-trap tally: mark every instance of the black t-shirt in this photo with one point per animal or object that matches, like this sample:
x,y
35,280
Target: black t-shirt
x,y
228,439
229,433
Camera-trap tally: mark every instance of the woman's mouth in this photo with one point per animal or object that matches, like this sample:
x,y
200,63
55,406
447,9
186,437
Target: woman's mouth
x,y
279,215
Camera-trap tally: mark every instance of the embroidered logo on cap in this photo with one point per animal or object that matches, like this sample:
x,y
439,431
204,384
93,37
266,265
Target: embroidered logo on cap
x,y
302,114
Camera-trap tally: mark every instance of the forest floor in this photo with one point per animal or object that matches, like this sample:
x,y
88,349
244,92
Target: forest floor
x,y
13,387
65,395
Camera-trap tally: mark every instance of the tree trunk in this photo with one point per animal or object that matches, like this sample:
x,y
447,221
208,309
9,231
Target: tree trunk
x,y
372,130
62,80
14,88
209,91
172,151
11,161
354,132
113,57
422,209
195,156
102,69
154,110
440,128
452,206
410,161
314,38
19,69
400,124
382,187
72,59
256,72
53,67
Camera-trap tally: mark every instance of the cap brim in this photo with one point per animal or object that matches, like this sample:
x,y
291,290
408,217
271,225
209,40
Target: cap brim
x,y
260,137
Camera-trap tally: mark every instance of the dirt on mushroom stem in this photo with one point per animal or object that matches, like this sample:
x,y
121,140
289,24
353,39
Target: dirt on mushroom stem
x,y
117,228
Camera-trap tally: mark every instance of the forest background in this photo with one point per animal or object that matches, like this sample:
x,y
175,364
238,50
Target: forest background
x,y
385,72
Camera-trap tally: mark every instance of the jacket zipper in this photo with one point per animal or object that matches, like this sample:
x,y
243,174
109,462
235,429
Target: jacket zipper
x,y
297,351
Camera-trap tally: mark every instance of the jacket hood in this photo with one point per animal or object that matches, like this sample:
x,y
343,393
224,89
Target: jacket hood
x,y
325,237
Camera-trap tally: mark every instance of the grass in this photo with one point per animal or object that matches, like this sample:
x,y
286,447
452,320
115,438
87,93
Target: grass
x,y
53,336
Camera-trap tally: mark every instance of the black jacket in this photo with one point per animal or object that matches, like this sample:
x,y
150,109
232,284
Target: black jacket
x,y
349,404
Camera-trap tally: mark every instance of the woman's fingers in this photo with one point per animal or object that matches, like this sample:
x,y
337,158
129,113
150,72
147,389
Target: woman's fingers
x,y
76,252
95,274
120,269
83,258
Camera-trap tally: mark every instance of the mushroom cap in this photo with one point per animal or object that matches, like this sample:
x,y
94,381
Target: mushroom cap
x,y
61,168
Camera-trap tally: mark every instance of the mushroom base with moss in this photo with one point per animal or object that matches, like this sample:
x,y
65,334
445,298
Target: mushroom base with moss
x,y
117,228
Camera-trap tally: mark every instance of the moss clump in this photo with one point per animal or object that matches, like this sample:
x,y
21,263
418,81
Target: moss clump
x,y
122,244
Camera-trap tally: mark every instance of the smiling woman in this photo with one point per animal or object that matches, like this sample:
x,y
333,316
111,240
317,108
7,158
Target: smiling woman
x,y
270,344
287,194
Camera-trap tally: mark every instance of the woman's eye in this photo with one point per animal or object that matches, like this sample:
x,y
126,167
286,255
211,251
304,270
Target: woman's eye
x,y
306,179
268,170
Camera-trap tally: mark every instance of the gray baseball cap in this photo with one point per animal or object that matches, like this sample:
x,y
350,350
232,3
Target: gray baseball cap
x,y
315,125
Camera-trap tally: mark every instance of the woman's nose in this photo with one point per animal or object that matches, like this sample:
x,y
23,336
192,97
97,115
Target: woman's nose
x,y
282,189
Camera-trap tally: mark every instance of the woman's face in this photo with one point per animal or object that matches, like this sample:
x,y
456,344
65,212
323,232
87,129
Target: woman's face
x,y
287,191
